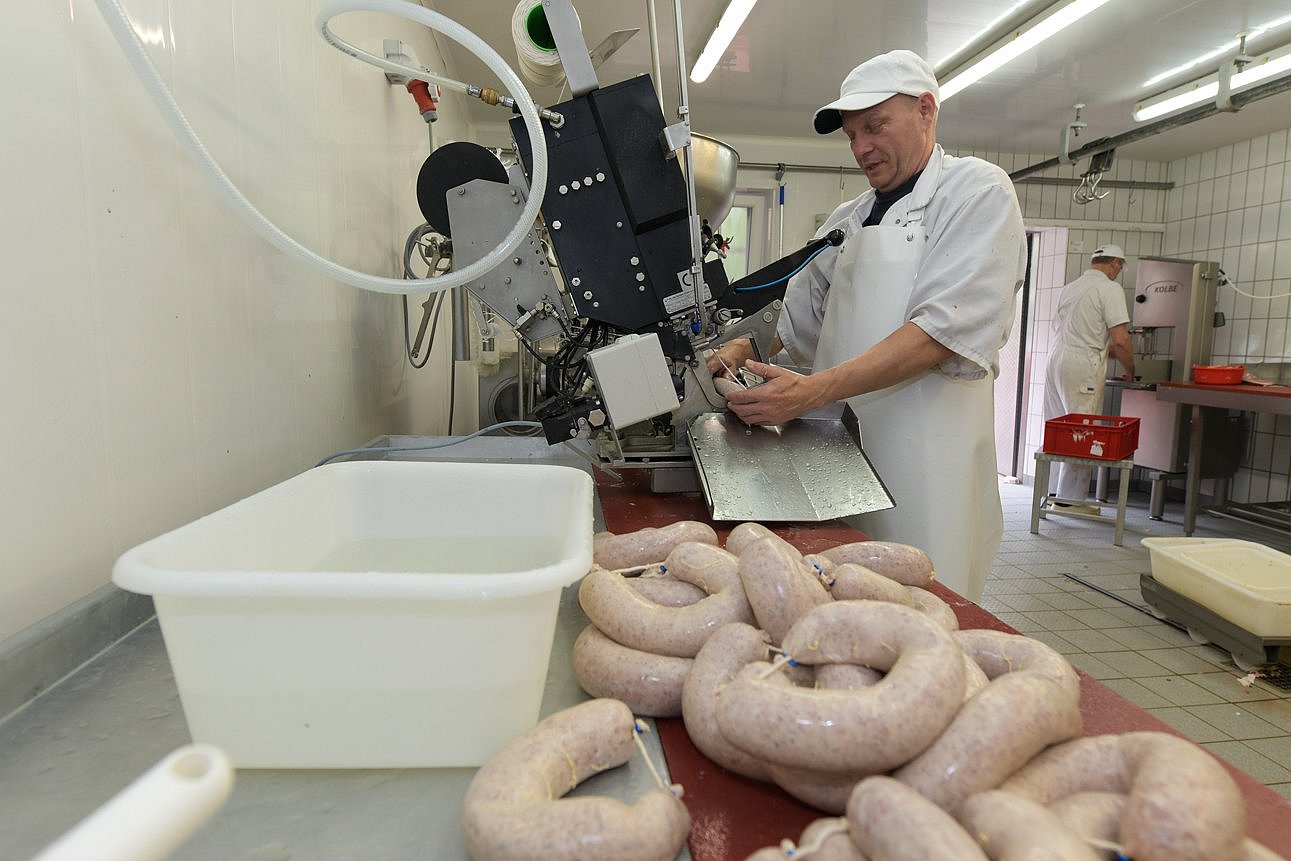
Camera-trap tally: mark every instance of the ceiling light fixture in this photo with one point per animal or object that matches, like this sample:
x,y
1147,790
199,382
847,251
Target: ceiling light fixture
x,y
1226,48
730,23
1055,19
1207,89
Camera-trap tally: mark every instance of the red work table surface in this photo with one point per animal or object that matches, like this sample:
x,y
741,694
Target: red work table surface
x,y
734,816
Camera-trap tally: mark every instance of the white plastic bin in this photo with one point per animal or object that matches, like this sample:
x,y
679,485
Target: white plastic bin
x,y
1247,583
369,614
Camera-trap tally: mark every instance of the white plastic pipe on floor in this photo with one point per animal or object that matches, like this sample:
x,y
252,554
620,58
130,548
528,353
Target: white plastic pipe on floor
x,y
152,817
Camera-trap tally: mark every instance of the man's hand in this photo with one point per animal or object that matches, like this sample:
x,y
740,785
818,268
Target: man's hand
x,y
785,395
730,358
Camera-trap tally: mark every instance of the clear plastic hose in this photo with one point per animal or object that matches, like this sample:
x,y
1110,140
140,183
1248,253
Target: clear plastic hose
x,y
133,47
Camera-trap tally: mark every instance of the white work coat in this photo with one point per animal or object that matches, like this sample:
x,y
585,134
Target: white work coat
x,y
1088,308
948,257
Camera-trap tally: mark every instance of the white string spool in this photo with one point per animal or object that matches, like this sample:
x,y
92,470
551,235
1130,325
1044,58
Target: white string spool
x,y
536,52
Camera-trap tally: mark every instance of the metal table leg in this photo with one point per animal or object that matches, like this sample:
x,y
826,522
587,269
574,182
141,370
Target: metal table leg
x,y
1038,492
1122,498
1193,490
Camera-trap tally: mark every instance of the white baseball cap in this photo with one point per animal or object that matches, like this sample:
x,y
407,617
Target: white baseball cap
x,y
877,80
1108,250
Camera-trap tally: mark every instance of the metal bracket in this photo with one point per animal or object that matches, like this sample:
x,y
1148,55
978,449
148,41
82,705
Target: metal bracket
x,y
674,137
574,56
1072,130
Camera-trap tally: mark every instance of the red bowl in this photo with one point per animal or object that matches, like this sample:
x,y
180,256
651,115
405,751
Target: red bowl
x,y
1218,375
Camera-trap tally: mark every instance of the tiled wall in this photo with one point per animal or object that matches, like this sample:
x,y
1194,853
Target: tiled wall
x,y
1066,233
159,360
1233,205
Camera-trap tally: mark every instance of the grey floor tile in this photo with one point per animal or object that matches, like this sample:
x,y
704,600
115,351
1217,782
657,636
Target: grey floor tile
x,y
1182,692
1093,641
1193,727
1227,687
1094,667
1238,721
1275,711
1276,748
1137,694
1055,620
1133,664
1139,639
1025,603
1019,622
1180,661
1067,601
1249,760
1059,642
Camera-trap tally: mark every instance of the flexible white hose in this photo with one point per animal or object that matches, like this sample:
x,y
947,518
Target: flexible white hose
x,y
133,47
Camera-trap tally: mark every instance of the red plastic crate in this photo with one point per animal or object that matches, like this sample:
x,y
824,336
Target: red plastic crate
x,y
1098,437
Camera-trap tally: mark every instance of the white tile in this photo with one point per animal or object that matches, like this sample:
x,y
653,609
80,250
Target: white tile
x,y
1269,217
1273,176
1224,160
1277,146
1205,195
1241,156
1259,151
1255,186
1222,184
1282,262
1192,168
1237,192
1264,257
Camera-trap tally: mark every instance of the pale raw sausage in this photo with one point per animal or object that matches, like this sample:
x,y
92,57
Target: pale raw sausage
x,y
650,684
823,840
777,586
998,652
941,612
1182,802
856,582
666,590
728,650
1012,828
647,545
892,822
869,730
994,734
626,617
513,808
901,562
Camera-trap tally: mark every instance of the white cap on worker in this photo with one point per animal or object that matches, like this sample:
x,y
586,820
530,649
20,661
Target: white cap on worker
x,y
1108,250
877,80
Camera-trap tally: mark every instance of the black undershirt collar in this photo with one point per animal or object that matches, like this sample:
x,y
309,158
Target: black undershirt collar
x,y
883,200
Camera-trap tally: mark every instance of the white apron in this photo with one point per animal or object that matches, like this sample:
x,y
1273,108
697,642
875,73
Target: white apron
x,y
931,439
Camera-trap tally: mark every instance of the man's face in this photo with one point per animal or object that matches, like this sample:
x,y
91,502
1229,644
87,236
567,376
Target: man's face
x,y
891,141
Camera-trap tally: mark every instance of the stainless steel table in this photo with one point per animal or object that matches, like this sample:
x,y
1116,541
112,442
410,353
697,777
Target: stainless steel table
x,y
1245,396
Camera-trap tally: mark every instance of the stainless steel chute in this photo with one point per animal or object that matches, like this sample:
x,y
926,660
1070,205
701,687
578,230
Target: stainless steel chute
x,y
809,469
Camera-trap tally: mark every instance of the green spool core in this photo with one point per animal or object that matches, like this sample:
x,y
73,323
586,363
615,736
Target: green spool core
x,y
538,31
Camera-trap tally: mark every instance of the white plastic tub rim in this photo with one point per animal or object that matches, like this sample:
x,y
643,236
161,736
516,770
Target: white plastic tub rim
x,y
1175,549
543,490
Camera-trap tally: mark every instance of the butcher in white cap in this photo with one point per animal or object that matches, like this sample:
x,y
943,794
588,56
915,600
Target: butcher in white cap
x,y
1090,322
906,319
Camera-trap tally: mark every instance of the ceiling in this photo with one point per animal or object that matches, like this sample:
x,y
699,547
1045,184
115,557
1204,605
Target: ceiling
x,y
789,58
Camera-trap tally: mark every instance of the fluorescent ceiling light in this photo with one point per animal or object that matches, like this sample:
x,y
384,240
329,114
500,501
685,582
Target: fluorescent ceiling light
x,y
1207,89
723,33
1057,18
1226,48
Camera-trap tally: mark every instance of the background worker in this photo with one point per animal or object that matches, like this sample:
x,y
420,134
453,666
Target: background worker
x,y
1091,320
905,320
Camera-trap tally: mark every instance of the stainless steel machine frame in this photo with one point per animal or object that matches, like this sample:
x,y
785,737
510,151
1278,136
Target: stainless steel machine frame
x,y
1172,320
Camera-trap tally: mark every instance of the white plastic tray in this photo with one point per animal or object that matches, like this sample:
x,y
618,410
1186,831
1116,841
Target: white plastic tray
x,y
1245,582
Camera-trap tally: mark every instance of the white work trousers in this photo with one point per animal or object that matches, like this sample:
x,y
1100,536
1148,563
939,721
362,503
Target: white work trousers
x,y
1074,386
